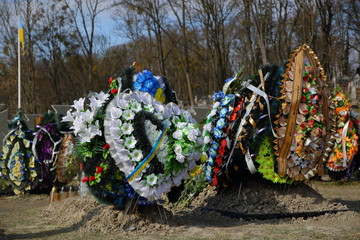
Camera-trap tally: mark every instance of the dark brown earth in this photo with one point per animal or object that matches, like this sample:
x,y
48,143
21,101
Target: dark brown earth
x,y
32,217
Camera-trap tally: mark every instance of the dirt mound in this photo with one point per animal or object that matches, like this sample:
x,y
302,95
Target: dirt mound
x,y
263,197
87,214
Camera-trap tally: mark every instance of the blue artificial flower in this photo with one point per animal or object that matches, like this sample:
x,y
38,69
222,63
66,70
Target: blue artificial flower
x,y
220,123
227,99
218,133
212,152
215,145
149,84
217,96
137,85
223,112
210,161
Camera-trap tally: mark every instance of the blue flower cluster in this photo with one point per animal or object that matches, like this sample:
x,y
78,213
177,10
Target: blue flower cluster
x,y
146,82
217,96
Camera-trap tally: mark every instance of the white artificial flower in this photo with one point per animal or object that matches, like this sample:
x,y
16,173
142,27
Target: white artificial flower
x,y
116,123
193,134
338,98
102,97
79,104
207,139
188,117
68,118
136,155
149,108
177,134
312,90
180,158
128,115
95,129
127,128
122,103
130,142
181,125
135,106
115,112
159,108
343,113
151,179
78,125
88,133
178,149
207,127
87,116
94,103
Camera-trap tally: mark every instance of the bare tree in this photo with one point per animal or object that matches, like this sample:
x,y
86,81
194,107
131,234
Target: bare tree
x,y
84,14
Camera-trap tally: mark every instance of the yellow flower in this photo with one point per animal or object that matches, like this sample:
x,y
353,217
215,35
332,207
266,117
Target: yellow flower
x,y
159,96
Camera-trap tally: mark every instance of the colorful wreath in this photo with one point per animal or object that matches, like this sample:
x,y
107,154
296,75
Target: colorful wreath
x,y
45,148
155,145
101,173
304,119
346,140
237,124
18,164
102,176
66,164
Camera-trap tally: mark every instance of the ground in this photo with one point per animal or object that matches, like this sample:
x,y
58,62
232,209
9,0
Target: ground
x,y
32,217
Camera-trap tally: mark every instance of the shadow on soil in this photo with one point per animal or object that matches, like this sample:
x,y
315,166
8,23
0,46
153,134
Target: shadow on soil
x,y
50,233
352,205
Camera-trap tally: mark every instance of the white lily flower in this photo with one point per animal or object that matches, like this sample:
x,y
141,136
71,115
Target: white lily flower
x,y
87,116
78,125
68,118
102,97
79,104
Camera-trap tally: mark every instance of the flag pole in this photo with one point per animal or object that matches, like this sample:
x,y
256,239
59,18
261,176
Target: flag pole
x,y
19,67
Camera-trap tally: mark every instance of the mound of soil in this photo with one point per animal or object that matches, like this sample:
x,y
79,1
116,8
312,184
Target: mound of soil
x,y
262,197
87,214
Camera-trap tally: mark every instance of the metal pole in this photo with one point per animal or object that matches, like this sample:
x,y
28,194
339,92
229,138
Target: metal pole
x,y
19,68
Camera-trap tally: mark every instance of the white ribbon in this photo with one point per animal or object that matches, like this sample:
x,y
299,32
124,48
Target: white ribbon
x,y
264,95
344,133
249,107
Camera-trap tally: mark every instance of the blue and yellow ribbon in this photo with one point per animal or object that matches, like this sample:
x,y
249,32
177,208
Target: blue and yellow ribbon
x,y
149,157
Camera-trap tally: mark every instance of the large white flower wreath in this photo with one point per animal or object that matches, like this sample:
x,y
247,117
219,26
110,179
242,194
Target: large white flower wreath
x,y
155,145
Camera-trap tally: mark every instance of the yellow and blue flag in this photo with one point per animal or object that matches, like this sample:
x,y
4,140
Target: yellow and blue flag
x,y
21,37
